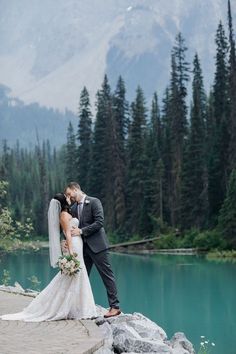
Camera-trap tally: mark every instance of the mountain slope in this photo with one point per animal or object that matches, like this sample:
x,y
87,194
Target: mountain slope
x,y
50,50
30,124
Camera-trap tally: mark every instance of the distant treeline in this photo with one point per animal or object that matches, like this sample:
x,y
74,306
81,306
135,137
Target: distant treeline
x,y
27,121
172,165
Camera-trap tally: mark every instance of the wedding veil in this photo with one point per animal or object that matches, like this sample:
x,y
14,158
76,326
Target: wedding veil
x,y
54,231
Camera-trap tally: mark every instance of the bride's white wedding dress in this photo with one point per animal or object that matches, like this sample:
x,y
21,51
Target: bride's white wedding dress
x,y
65,297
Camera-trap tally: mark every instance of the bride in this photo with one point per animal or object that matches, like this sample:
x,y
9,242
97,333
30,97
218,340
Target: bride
x,y
65,297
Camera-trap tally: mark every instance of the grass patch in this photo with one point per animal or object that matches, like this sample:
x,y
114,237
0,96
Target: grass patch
x,y
222,256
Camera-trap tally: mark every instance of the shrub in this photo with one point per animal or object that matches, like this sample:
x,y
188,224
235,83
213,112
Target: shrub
x,y
208,240
187,240
10,230
6,277
167,241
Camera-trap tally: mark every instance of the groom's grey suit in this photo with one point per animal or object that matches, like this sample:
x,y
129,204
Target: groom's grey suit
x,y
96,244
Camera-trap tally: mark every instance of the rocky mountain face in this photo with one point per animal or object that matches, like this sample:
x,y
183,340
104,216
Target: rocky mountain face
x,y
50,49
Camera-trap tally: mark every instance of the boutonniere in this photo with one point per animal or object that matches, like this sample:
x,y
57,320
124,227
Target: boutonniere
x,y
87,201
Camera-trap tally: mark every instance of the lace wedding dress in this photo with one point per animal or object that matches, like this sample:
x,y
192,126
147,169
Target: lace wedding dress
x,y
65,297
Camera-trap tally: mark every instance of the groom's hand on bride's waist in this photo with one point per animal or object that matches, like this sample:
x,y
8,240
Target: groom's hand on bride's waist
x,y
75,231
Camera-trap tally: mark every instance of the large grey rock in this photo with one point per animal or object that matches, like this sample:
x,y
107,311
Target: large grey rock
x,y
180,344
107,334
122,343
147,328
135,333
140,323
106,329
147,331
143,326
124,328
124,317
127,339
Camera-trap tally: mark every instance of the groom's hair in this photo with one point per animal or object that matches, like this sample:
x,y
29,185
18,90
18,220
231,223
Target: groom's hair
x,y
73,185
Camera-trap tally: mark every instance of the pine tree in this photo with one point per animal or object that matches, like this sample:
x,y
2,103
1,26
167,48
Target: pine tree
x,y
136,165
156,124
166,156
119,131
227,218
194,177
102,166
43,197
121,107
84,139
178,93
71,154
154,170
210,125
218,164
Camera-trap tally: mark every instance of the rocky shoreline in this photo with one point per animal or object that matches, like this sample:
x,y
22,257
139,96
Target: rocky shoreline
x,y
135,333
128,333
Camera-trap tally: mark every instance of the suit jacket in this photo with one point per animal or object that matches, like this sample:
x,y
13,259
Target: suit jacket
x,y
91,223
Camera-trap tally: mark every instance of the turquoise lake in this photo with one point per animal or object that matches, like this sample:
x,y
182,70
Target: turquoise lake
x,y
181,293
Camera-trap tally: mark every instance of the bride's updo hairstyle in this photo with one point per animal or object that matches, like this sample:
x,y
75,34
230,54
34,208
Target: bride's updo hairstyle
x,y
62,199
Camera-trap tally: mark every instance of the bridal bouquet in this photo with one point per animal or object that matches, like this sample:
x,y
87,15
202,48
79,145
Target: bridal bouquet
x,y
69,265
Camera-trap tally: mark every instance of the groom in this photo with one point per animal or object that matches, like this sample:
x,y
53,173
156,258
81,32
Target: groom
x,y
89,211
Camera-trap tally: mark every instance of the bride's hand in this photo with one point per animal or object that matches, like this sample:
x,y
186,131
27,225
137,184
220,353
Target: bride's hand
x,y
64,246
75,231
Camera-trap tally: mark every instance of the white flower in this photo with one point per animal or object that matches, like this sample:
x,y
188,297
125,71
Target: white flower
x,y
202,343
213,344
69,267
202,336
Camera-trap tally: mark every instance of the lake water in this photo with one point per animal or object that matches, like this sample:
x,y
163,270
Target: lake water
x,y
181,293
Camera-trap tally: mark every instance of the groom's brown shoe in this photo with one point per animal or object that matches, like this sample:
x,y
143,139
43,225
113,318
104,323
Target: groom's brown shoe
x,y
112,312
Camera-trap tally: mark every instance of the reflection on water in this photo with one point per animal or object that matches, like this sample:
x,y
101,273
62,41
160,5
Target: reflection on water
x,y
180,293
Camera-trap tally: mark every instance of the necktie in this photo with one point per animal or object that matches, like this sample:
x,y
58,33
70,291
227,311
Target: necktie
x,y
80,204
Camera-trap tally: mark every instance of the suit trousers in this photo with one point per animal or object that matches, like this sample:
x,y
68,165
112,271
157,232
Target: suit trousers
x,y
103,266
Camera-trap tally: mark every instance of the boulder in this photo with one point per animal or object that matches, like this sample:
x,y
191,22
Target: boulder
x,y
106,329
147,328
127,339
143,326
123,317
107,334
135,333
180,344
